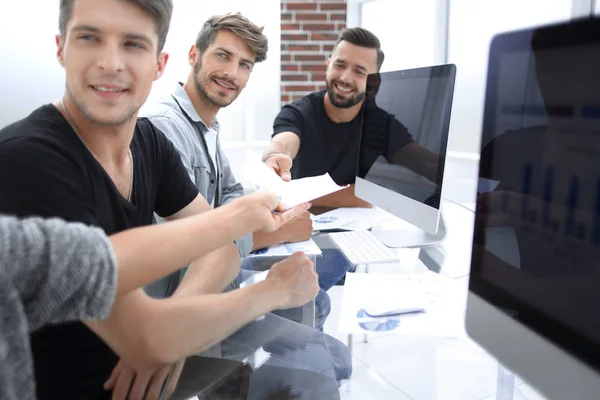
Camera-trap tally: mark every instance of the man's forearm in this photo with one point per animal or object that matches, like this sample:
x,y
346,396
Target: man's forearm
x,y
260,240
168,330
148,253
211,273
275,148
341,198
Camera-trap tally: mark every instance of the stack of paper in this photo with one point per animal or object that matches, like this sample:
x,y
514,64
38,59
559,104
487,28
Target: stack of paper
x,y
309,247
344,218
290,193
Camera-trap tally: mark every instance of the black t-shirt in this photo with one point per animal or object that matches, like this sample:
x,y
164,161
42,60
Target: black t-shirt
x,y
325,146
46,170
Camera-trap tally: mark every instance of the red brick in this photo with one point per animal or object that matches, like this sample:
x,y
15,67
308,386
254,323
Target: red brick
x,y
310,57
287,16
322,36
332,16
297,97
290,27
294,37
286,57
340,26
312,17
285,98
294,78
298,46
289,67
318,27
329,6
313,68
303,6
299,88
317,77
282,6
328,48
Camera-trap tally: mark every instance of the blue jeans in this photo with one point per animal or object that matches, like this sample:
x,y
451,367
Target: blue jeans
x,y
332,267
322,304
306,362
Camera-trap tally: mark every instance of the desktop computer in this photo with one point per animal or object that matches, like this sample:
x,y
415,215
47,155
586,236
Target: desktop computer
x,y
404,136
400,169
534,287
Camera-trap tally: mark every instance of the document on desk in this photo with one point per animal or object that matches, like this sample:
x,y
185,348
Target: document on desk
x,y
290,193
442,299
344,218
308,247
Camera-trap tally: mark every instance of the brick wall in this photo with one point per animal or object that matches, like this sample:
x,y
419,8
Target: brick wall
x,y
309,29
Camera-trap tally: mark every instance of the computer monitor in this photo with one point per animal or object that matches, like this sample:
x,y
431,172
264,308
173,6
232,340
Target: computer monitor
x,y
534,286
404,135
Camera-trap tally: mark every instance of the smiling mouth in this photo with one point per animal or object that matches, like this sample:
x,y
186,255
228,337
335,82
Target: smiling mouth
x,y
224,85
343,89
105,89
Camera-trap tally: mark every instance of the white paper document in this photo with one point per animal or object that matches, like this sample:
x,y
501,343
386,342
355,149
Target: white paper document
x,y
442,299
309,247
345,218
290,193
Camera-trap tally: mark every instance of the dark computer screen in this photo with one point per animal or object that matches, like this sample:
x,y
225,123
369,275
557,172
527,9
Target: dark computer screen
x,y
536,247
406,115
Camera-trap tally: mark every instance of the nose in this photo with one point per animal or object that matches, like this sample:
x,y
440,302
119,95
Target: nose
x,y
230,70
345,76
110,58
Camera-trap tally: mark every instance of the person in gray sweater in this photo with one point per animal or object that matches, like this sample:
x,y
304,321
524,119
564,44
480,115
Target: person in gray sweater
x,y
39,284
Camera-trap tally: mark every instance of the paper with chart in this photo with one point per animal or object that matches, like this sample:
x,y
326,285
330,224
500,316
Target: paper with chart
x,y
344,218
308,247
290,193
443,299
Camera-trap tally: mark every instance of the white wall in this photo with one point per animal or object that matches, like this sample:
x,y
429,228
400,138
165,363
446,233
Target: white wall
x,y
31,76
413,34
472,25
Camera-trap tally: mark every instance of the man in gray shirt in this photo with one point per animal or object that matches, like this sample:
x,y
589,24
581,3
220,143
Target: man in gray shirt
x,y
222,59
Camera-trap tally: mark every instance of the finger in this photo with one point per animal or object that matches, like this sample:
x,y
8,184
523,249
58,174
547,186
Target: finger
x,y
285,166
110,383
124,382
140,384
272,163
175,374
157,382
293,212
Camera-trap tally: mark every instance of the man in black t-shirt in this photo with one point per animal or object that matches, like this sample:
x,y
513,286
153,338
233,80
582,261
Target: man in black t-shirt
x,y
87,158
321,132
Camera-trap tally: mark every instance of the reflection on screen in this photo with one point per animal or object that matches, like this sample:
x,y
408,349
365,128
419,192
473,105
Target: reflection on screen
x,y
540,227
404,132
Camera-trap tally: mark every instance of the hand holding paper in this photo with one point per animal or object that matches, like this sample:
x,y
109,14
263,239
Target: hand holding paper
x,y
294,192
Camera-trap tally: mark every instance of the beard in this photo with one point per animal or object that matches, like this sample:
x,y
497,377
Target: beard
x,y
87,113
201,88
352,101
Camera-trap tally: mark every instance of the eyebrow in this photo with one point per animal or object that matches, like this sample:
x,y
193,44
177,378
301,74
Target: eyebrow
x,y
342,61
129,36
224,50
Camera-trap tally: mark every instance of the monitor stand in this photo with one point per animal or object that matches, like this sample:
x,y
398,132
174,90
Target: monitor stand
x,y
411,237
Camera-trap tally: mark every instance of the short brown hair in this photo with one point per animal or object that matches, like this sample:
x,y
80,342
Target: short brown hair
x,y
363,38
160,10
250,33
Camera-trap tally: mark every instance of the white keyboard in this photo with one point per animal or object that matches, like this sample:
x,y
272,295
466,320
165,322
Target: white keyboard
x,y
362,247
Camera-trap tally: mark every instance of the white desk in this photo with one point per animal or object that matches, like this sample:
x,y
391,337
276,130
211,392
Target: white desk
x,y
428,367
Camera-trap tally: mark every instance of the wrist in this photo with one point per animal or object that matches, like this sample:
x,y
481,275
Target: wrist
x,y
276,294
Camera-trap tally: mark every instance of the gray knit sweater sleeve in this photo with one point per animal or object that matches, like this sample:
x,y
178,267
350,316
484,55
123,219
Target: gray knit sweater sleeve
x,y
61,271
50,272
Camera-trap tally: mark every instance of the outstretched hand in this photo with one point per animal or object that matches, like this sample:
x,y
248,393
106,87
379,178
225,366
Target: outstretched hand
x,y
281,164
264,212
